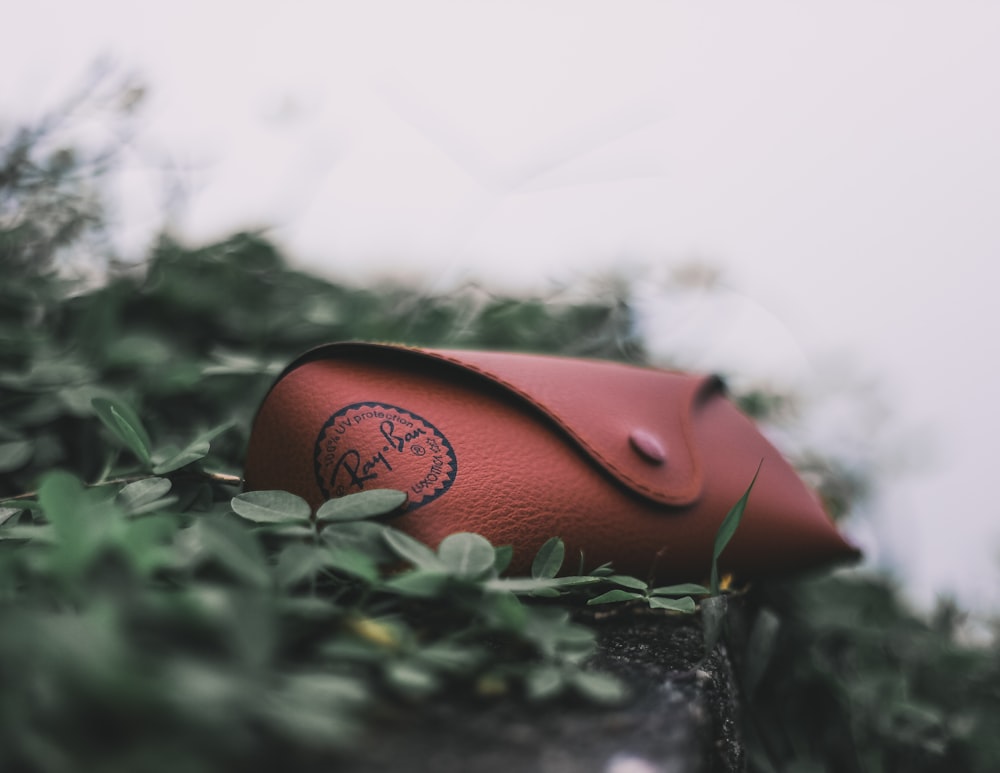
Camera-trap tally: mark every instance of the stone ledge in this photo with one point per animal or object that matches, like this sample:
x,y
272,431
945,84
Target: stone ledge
x,y
682,717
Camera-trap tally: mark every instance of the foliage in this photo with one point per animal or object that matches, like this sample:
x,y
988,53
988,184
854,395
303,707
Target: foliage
x,y
153,617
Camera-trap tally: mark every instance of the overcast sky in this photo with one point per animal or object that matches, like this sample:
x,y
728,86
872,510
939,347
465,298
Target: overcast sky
x,y
837,161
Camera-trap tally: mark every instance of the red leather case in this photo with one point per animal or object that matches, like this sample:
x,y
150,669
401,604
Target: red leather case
x,y
632,465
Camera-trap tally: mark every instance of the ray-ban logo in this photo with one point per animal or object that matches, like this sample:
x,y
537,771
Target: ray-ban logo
x,y
376,445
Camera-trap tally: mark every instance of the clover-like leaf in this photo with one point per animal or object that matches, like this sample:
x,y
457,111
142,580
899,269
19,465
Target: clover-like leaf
x,y
145,496
124,424
503,555
14,454
411,679
466,555
628,582
411,550
6,513
362,505
352,562
615,595
544,682
549,559
194,452
421,583
683,589
599,688
236,549
685,604
271,507
521,584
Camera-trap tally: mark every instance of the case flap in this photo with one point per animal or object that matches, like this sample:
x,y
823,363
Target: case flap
x,y
635,422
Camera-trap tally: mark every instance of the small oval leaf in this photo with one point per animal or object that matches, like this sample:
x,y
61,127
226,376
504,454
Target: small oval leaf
x,y
543,682
271,507
502,557
466,555
364,504
197,450
685,604
421,583
521,584
614,595
6,513
409,549
126,426
628,582
600,688
135,496
549,559
684,589
236,549
14,454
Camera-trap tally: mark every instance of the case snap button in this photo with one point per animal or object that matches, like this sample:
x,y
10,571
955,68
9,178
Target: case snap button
x,y
648,446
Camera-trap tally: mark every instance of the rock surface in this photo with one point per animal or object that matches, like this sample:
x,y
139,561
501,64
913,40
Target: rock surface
x,y
682,717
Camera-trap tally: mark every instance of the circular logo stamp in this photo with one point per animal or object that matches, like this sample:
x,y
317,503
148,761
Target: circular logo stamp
x,y
376,445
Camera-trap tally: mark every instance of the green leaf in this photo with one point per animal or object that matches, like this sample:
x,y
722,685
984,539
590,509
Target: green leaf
x,y
544,682
271,507
628,582
409,549
411,679
303,561
352,650
298,563
363,536
124,423
466,555
728,528
362,505
33,531
420,583
60,495
451,657
504,611
324,691
604,570
549,559
14,454
297,530
236,549
615,595
684,589
353,563
604,689
502,558
197,450
575,581
308,608
144,495
6,513
520,584
685,604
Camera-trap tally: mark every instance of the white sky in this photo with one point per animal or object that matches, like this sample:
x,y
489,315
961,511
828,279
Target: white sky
x,y
839,161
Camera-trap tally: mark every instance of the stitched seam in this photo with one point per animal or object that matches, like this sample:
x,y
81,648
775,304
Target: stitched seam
x,y
683,497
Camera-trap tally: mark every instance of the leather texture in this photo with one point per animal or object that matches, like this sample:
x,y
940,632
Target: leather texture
x,y
633,465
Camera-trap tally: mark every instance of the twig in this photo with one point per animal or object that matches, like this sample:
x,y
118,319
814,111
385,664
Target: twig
x,y
218,477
